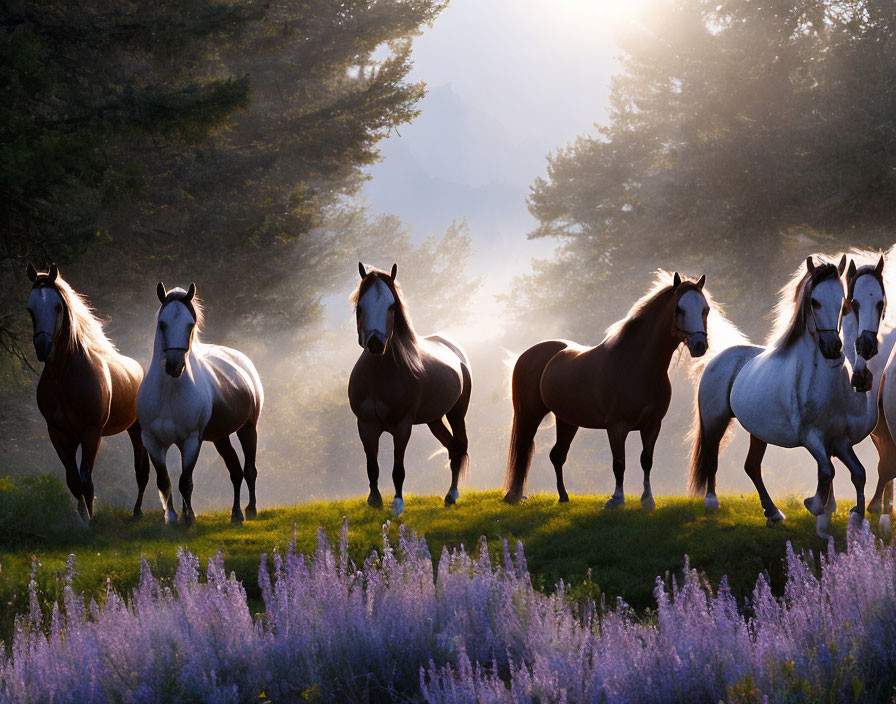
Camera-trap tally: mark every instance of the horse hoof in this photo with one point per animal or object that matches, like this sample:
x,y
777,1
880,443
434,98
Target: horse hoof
x,y
648,503
884,523
563,498
251,513
711,502
812,507
615,502
512,498
823,525
451,497
236,516
856,520
398,506
375,500
171,517
138,513
776,518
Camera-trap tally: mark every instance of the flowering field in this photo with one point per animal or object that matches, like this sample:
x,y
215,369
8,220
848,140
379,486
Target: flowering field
x,y
471,629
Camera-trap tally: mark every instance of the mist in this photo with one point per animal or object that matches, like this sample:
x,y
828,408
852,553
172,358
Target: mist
x,y
468,199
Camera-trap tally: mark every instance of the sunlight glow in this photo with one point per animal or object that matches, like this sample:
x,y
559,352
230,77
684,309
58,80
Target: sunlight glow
x,y
583,18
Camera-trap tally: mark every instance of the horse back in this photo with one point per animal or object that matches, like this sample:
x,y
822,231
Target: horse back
x,y
445,371
236,391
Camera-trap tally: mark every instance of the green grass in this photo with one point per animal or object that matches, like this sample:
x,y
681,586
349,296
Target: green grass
x,y
625,550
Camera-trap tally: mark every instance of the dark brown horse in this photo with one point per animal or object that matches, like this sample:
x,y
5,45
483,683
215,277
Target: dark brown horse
x,y
401,380
87,390
621,385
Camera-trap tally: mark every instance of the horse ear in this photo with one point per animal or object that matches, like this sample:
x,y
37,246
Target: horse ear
x,y
32,272
53,272
841,267
879,269
161,292
701,281
810,265
191,291
851,270
394,272
676,280
362,270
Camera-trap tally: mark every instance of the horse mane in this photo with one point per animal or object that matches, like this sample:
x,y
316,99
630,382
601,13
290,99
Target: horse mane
x,y
83,330
722,333
405,345
194,305
792,309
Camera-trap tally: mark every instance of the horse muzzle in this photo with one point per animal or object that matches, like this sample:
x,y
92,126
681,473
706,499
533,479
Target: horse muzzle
x,y
866,344
43,346
376,343
175,362
697,344
830,344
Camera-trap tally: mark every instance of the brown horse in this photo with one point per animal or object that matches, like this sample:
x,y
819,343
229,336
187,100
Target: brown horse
x,y
401,380
620,385
87,390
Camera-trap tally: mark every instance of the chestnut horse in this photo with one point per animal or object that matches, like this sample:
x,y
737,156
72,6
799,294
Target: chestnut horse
x,y
195,392
401,380
87,390
620,385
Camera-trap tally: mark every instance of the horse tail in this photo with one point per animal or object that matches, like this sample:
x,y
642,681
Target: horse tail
x,y
713,415
528,411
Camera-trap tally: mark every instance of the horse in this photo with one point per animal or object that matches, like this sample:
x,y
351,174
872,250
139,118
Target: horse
x,y
87,389
401,380
620,385
797,391
195,392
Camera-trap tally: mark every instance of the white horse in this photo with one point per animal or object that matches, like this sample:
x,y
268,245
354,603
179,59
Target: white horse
x,y
194,392
795,392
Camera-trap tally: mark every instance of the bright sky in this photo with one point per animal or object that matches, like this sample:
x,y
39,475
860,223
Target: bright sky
x,y
524,78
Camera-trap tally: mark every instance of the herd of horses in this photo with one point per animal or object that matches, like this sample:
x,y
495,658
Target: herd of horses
x,y
825,380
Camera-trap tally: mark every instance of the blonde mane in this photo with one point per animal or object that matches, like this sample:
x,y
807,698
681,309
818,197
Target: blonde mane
x,y
722,333
84,329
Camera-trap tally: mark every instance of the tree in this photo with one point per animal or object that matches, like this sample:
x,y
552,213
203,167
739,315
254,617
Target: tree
x,y
742,135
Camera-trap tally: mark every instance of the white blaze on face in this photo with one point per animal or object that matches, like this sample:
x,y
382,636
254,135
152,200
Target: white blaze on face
x,y
45,305
867,303
692,308
374,312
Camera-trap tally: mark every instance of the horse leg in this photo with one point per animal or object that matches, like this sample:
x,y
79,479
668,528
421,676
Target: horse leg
x,y
158,455
141,466
559,452
458,452
443,435
816,504
882,501
617,435
400,436
753,468
370,438
225,449
648,443
248,437
847,456
90,445
66,448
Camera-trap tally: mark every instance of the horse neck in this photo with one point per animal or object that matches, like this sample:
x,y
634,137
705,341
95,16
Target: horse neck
x,y
63,351
651,339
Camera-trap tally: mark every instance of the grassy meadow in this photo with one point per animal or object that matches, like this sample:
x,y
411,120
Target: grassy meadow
x,y
624,550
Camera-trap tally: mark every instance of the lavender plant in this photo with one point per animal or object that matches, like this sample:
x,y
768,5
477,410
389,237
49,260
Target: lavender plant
x,y
470,631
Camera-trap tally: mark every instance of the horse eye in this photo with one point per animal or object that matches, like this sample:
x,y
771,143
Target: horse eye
x,y
815,304
880,307
855,305
163,326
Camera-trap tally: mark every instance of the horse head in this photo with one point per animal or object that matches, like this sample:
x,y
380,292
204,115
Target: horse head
x,y
375,309
45,306
866,300
176,326
691,311
822,304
